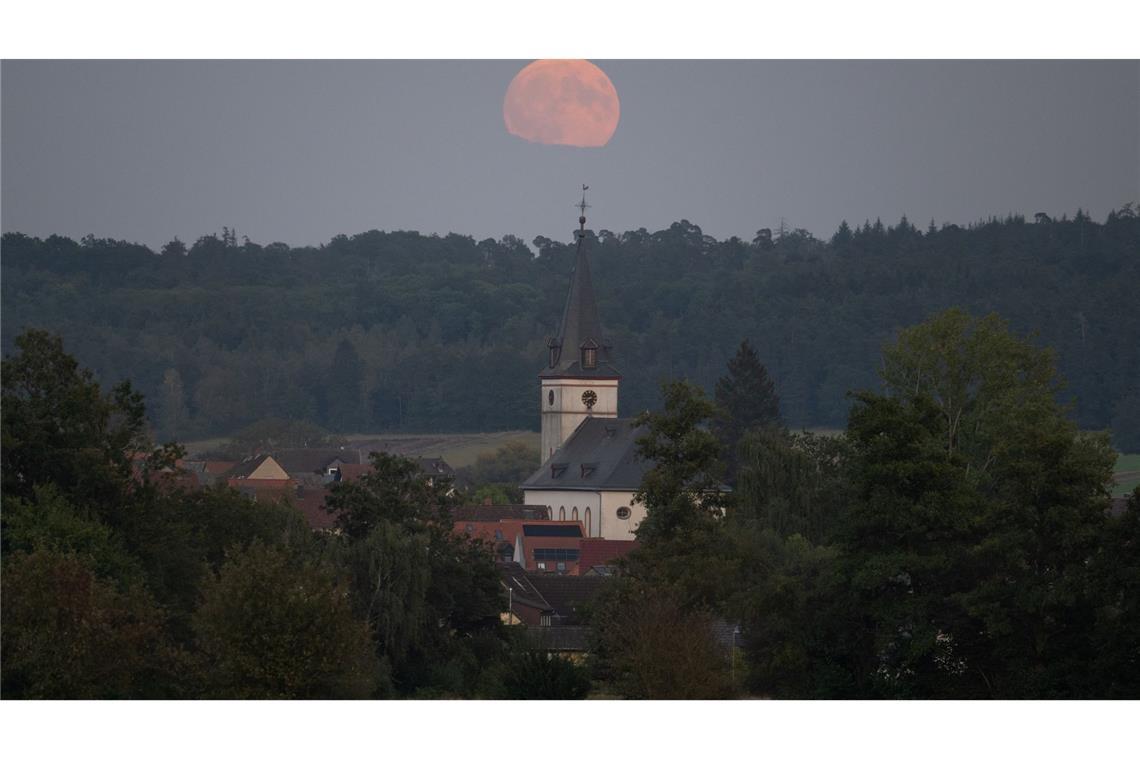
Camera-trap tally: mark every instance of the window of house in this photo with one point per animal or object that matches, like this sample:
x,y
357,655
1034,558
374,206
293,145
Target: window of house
x,y
589,358
589,524
623,513
574,514
541,565
562,513
498,535
561,567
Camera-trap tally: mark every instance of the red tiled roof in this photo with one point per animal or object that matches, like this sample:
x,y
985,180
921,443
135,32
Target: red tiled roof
x,y
217,466
486,530
262,484
351,472
311,502
602,551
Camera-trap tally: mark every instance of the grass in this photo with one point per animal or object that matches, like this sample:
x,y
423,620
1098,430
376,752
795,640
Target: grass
x,y
459,449
1126,474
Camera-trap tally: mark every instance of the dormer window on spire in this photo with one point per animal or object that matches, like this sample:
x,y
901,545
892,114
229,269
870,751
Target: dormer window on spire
x,y
589,354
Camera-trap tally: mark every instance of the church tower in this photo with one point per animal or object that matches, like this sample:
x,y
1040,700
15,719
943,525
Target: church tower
x,y
579,381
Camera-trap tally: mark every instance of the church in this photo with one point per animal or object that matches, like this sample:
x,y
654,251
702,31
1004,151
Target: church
x,y
590,467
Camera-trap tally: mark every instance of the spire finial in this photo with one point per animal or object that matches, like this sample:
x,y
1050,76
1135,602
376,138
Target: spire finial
x,y
582,206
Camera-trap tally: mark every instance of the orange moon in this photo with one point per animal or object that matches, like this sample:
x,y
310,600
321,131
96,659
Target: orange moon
x,y
562,102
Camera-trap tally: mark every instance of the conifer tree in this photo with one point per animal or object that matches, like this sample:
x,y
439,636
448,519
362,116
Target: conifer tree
x,y
747,399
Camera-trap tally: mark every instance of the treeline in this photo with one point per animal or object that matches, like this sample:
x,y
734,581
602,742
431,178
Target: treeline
x,y
117,584
390,331
955,543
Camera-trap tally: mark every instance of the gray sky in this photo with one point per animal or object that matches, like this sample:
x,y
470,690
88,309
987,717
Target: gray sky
x,y
300,151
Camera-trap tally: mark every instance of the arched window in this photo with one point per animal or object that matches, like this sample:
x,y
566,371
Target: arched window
x,y
623,513
589,526
574,514
562,513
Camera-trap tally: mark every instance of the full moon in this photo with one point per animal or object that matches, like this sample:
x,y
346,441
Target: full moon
x,y
562,102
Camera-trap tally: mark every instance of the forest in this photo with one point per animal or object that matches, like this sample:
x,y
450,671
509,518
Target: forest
x,y
387,331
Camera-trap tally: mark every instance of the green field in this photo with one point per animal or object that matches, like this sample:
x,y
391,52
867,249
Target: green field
x,y
1126,474
459,449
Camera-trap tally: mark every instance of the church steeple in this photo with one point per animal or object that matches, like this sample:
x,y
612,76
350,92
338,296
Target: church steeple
x,y
579,381
580,349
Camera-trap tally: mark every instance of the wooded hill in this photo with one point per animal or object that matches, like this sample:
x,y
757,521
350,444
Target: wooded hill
x,y
398,331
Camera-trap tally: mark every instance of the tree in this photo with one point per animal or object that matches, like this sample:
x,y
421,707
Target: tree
x,y
534,674
270,628
60,428
978,509
747,400
497,475
977,374
428,593
652,647
683,489
68,634
792,483
175,248
346,388
174,415
394,490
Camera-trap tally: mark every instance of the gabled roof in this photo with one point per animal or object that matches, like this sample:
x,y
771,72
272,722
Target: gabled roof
x,y
433,466
608,446
311,502
248,466
560,638
307,461
567,595
603,552
514,577
580,325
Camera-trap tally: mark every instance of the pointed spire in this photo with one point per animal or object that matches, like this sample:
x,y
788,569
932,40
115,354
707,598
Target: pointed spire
x,y
579,348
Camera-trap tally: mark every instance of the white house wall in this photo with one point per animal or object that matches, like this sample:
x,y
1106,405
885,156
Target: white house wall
x,y
603,506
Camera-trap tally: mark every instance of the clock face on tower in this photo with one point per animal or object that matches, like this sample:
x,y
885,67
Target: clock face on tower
x,y
589,398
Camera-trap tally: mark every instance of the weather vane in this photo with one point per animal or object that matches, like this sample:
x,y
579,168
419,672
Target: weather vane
x,y
582,208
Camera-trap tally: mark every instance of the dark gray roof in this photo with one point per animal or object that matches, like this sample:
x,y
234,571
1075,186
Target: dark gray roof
x,y
433,466
580,324
311,461
496,512
514,576
601,455
567,595
560,638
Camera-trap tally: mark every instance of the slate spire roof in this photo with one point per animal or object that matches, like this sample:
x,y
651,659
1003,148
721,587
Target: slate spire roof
x,y
581,327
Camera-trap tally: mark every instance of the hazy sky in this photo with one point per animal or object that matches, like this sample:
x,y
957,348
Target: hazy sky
x,y
300,151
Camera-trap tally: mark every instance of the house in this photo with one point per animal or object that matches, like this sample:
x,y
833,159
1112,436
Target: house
x,y
552,607
600,556
543,546
549,546
590,466
488,512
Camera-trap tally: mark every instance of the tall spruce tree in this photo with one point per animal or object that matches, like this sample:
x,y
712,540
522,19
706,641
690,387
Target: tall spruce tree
x,y
747,400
